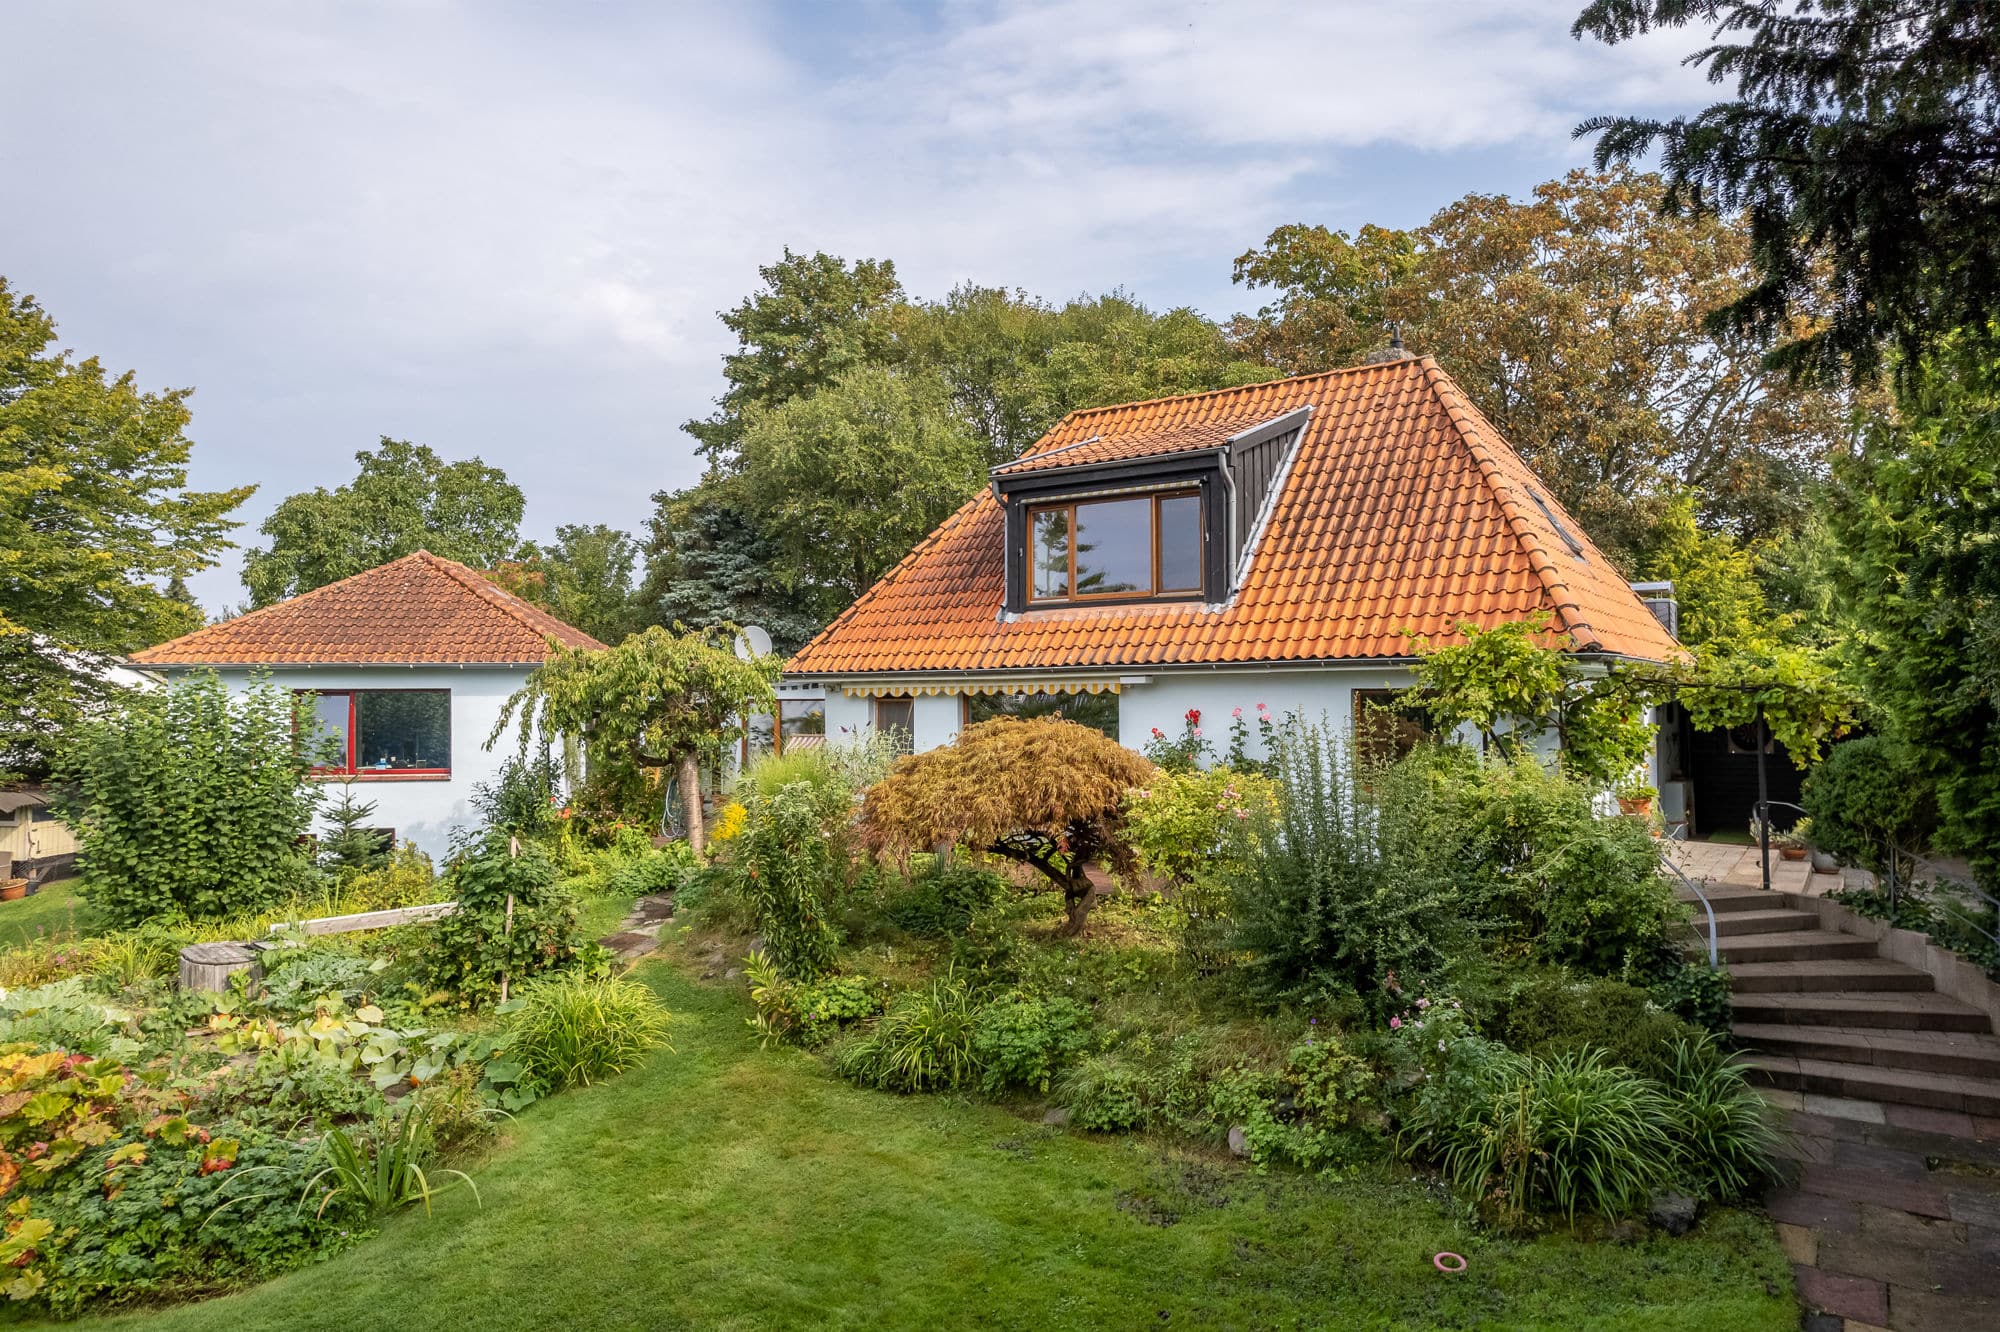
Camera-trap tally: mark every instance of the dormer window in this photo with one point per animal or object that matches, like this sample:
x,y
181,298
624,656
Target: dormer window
x,y
1125,547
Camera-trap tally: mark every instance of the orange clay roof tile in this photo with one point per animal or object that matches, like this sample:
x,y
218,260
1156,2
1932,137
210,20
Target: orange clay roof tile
x,y
420,609
1404,509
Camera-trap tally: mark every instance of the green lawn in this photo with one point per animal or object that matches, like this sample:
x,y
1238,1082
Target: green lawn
x,y
723,1186
53,910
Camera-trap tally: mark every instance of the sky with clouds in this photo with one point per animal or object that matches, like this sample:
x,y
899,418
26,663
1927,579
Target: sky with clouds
x,y
505,229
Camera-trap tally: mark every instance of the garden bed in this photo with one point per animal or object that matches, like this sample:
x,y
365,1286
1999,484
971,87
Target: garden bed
x,y
727,1186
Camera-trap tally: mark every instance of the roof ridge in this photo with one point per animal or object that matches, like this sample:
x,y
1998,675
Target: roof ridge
x,y
1076,412
1473,430
492,593
256,611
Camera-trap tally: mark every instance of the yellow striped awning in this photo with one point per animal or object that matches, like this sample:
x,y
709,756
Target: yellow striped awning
x,y
982,687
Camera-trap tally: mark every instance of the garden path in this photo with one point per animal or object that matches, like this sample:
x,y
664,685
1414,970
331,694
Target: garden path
x,y
1891,1216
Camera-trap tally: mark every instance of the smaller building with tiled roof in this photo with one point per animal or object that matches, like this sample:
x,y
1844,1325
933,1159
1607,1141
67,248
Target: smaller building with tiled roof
x,y
1274,545
409,665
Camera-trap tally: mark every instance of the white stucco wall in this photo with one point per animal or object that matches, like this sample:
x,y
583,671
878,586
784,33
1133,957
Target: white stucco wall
x,y
423,810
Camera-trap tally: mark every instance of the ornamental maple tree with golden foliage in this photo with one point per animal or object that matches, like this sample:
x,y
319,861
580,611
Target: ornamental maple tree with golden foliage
x,y
1045,792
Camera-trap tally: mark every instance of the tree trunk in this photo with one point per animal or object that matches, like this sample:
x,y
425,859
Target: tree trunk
x,y
1079,896
690,780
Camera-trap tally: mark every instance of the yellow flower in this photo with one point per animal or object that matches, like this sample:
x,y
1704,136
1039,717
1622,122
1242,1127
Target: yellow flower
x,y
729,822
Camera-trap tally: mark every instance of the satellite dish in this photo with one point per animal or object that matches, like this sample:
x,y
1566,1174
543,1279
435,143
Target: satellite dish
x,y
753,641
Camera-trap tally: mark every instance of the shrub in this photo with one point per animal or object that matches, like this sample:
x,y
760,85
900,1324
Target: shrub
x,y
1349,886
1697,994
713,898
525,797
173,1212
787,866
923,1042
455,1111
1723,1129
806,1013
573,1030
943,899
1047,793
1603,896
1200,831
405,879
1554,1014
1104,1095
1866,796
190,801
1567,1134
466,953
1024,1041
1320,1111
650,872
60,1016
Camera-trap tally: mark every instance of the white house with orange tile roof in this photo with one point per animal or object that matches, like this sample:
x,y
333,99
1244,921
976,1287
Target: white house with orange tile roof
x,y
411,664
1269,545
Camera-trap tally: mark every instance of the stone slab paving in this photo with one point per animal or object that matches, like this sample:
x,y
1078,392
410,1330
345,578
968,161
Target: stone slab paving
x,y
1890,1215
639,933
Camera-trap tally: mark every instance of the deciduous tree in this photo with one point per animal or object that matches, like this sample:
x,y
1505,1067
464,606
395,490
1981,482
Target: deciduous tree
x,y
405,498
1044,792
657,700
97,529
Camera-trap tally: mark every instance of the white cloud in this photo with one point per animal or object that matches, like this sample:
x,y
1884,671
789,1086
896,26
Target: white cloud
x,y
506,231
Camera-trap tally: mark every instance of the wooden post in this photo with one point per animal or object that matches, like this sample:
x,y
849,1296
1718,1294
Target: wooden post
x,y
507,931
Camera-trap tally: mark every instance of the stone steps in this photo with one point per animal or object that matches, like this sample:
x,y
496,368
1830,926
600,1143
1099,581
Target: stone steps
x,y
1764,920
1871,1082
1966,1054
1791,946
1855,973
1872,1009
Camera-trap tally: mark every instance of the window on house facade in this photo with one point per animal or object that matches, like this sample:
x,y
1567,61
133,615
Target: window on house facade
x,y
1133,546
801,723
1383,733
896,716
383,731
1097,711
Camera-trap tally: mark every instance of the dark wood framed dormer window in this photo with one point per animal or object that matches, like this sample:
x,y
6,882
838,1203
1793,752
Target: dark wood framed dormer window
x,y
1117,548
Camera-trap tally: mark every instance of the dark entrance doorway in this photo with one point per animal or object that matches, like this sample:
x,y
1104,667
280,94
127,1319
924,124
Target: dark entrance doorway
x,y
1720,768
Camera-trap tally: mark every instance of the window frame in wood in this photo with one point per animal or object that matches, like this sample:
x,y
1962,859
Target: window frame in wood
x,y
1153,591
348,768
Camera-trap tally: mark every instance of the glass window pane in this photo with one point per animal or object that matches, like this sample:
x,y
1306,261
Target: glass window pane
x,y
328,743
1114,547
897,717
1097,711
1051,554
1180,544
802,722
398,729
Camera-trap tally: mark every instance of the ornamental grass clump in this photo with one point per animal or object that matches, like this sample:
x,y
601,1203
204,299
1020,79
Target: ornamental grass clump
x,y
924,1042
1723,1126
573,1030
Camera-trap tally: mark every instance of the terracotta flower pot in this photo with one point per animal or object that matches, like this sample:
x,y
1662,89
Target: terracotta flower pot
x,y
1641,808
1792,852
13,890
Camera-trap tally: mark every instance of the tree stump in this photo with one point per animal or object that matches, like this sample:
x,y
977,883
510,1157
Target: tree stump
x,y
208,966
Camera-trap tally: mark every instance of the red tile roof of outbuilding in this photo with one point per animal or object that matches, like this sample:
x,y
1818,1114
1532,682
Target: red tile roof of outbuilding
x,y
421,609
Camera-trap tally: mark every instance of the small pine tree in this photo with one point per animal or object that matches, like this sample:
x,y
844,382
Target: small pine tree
x,y
349,847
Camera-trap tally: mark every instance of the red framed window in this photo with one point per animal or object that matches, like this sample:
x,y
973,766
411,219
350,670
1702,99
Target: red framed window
x,y
382,732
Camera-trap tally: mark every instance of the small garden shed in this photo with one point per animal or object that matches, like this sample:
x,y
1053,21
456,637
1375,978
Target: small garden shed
x,y
409,664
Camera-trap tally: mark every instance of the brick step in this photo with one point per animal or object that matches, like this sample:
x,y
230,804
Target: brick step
x,y
1791,946
1767,920
1869,1082
1876,1010
1855,973
1967,1054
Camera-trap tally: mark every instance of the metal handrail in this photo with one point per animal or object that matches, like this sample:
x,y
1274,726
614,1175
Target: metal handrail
x,y
1701,897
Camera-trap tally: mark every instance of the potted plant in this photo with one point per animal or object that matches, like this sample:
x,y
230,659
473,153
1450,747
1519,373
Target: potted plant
x,y
1791,845
1635,796
13,890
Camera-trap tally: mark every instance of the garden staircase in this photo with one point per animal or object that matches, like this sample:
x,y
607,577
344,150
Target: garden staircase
x,y
1819,1012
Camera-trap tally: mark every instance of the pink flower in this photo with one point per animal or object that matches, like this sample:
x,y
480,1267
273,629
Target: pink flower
x,y
1423,1003
1236,712
1242,813
1395,1024
1262,708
